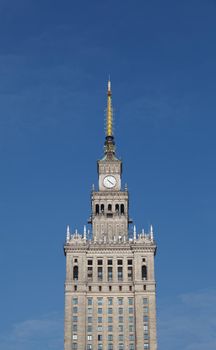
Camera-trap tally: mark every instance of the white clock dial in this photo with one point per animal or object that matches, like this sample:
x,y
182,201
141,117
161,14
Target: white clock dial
x,y
109,181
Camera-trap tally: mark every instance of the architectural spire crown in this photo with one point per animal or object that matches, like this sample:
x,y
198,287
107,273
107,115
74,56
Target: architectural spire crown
x,y
109,117
109,148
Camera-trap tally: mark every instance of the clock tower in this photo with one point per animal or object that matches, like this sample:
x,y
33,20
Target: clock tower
x,y
109,205
110,301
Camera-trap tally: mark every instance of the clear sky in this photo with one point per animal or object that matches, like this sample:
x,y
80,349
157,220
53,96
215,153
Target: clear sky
x,y
55,58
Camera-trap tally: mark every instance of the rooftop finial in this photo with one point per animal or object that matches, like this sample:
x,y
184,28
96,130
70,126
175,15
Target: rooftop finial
x,y
151,233
109,122
68,234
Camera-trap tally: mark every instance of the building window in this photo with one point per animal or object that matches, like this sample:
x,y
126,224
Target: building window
x,y
75,260
89,337
110,328
102,208
110,337
75,301
100,347
146,346
120,273
144,287
97,209
120,311
131,346
120,319
122,208
100,310
89,329
90,273
145,318
100,262
110,301
131,337
120,301
119,262
130,310
131,319
90,262
100,337
89,319
100,301
89,310
74,328
75,288
89,347
145,300
130,288
130,273
100,288
110,346
120,328
144,272
75,272
130,301
75,309
100,319
74,318
121,337
110,319
109,207
110,288
146,336
144,260
100,328
145,328
121,346
74,346
145,309
131,328
89,288
90,301
110,310
100,273
110,274
117,208
120,288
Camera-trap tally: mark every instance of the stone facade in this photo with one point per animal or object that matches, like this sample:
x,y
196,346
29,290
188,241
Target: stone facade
x,y
110,281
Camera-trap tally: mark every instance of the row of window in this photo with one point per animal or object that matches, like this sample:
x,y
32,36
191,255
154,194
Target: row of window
x,y
110,346
109,319
110,288
100,270
118,208
109,328
109,337
101,300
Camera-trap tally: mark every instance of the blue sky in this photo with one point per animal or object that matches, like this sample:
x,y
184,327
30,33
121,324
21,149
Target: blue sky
x,y
55,58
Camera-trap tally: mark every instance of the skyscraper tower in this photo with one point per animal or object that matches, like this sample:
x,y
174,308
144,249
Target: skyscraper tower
x,y
110,282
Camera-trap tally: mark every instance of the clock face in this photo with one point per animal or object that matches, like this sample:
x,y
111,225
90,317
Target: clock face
x,y
109,181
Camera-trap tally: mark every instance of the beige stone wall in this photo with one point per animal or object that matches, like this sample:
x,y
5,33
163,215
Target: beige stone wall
x,y
130,289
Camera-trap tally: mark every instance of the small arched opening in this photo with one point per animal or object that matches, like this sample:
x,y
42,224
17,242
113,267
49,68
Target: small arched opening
x,y
97,209
122,208
144,272
75,272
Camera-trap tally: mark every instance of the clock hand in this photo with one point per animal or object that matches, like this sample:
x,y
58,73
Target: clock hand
x,y
110,182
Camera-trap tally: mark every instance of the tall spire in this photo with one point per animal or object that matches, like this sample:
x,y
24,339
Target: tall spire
x,y
109,147
109,121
